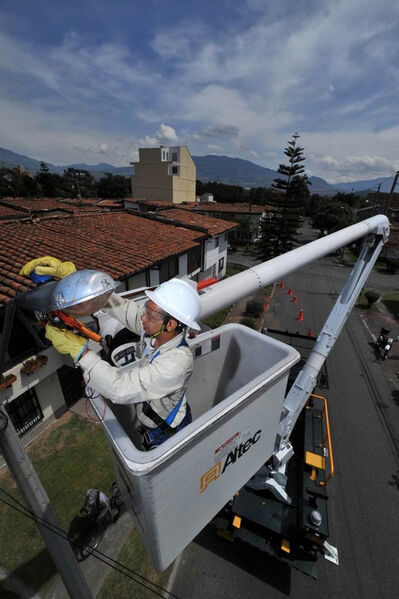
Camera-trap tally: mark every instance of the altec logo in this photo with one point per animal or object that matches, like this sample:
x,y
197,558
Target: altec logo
x,y
217,469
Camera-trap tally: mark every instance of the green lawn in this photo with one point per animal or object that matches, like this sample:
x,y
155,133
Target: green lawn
x,y
119,586
217,319
70,457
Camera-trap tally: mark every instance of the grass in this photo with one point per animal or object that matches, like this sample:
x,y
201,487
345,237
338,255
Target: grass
x,y
70,457
217,319
118,585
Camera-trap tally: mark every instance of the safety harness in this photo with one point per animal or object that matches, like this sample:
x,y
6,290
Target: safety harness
x,y
164,429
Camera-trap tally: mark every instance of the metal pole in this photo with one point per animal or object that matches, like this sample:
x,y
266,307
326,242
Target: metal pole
x,y
388,203
38,502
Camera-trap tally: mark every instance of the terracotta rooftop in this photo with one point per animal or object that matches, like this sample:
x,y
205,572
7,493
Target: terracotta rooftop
x,y
117,242
8,212
224,207
35,205
214,226
154,203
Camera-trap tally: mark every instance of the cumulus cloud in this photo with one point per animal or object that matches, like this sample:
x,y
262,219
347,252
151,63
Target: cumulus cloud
x,y
327,70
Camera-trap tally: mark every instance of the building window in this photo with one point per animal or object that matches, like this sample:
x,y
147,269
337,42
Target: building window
x,y
216,242
193,259
165,154
221,264
175,156
24,411
175,170
168,270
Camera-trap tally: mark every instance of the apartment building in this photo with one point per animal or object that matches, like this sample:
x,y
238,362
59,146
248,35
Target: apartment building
x,y
165,174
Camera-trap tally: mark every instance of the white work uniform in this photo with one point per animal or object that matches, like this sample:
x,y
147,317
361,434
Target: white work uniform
x,y
159,377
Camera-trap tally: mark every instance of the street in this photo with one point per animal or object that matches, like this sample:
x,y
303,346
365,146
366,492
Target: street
x,y
363,504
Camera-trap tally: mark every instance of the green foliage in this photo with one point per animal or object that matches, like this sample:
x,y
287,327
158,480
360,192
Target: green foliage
x,y
216,320
332,216
113,186
233,194
371,297
248,322
278,227
253,308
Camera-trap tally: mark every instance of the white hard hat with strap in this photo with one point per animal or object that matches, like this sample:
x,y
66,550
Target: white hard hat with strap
x,y
179,299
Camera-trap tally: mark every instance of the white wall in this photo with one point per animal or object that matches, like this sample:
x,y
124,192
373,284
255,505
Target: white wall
x,y
213,254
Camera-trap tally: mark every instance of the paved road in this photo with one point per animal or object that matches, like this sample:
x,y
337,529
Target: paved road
x,y
364,515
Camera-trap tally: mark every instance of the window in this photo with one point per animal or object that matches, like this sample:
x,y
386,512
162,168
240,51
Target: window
x,y
24,411
165,154
216,242
173,169
168,270
175,156
221,264
193,259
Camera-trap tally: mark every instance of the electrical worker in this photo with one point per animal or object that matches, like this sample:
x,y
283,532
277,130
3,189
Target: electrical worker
x,y
157,385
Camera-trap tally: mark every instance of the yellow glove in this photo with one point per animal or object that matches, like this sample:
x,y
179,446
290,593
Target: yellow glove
x,y
47,265
66,342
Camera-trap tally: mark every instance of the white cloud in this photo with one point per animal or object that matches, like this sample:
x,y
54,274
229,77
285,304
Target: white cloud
x,y
167,133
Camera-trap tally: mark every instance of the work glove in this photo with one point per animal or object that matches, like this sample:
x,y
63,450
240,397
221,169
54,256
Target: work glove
x,y
47,265
66,342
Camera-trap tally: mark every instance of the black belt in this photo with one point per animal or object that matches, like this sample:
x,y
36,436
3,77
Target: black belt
x,y
152,415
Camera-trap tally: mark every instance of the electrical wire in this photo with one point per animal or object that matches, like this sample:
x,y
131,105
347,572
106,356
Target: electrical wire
x,y
102,557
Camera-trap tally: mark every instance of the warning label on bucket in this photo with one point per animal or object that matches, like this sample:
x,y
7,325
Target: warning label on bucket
x,y
227,446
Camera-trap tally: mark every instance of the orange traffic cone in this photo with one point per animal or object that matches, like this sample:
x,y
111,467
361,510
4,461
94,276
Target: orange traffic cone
x,y
310,333
289,291
294,299
300,315
281,284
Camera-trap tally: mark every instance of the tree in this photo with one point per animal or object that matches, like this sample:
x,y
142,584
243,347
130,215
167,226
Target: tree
x,y
278,227
51,184
113,186
79,182
332,216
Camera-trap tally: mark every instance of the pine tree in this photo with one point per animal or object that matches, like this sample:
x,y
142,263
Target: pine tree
x,y
279,225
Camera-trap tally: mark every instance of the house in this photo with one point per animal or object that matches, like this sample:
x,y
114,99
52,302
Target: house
x,y
134,250
166,174
246,215
212,256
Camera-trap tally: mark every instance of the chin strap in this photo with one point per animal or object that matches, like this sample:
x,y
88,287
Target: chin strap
x,y
165,321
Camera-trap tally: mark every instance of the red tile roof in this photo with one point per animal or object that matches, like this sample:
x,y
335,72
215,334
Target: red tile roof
x,y
8,212
222,207
214,226
36,204
154,203
47,205
117,242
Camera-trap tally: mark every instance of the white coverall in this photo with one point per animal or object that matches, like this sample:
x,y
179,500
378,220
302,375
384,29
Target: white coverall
x,y
159,377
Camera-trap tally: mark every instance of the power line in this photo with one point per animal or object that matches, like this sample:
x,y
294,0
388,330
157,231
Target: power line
x,y
102,557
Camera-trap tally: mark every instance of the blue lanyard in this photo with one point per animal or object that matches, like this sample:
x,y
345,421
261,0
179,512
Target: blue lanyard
x,y
169,419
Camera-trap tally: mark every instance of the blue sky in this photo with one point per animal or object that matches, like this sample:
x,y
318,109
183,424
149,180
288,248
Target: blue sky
x,y
92,81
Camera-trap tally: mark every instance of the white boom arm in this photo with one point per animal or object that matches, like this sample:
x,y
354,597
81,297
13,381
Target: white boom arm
x,y
224,293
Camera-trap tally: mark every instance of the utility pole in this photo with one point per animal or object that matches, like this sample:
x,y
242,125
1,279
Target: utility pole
x,y
38,502
375,198
387,205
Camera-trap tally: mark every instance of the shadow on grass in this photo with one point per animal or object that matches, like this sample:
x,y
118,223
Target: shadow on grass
x,y
35,572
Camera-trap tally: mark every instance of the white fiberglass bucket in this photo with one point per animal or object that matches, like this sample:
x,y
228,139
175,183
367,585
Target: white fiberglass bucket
x,y
236,394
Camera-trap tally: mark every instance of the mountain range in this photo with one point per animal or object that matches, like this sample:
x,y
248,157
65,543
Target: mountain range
x,y
232,171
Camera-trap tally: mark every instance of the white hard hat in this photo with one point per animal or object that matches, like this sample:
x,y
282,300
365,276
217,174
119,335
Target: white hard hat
x,y
179,299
